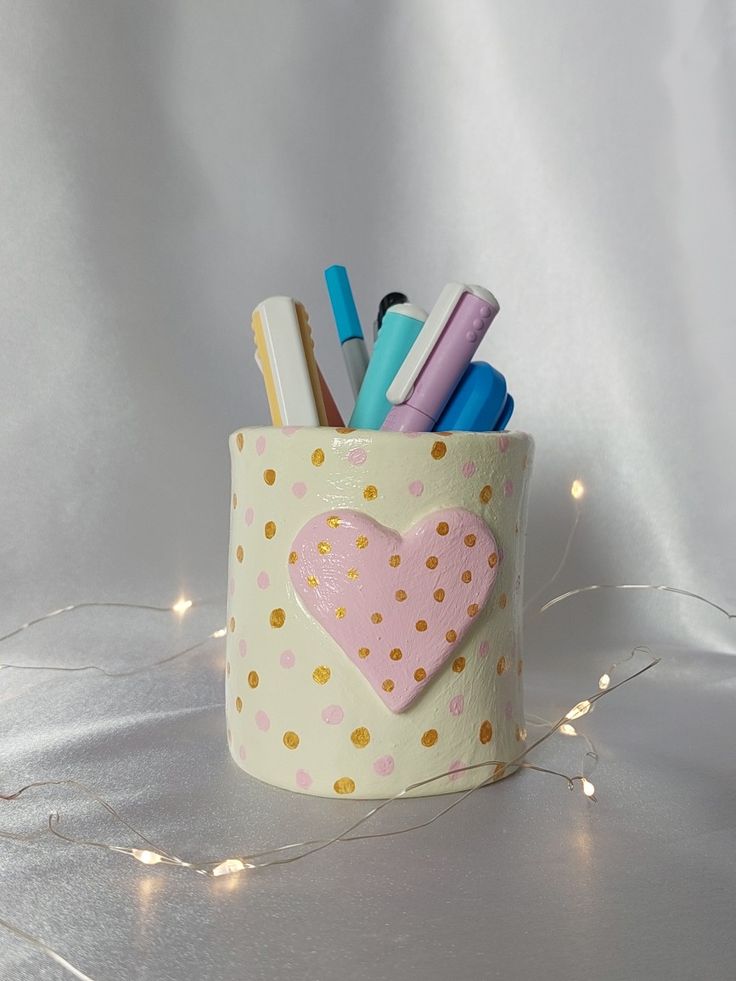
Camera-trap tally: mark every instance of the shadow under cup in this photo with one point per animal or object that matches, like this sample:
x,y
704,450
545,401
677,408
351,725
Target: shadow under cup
x,y
374,608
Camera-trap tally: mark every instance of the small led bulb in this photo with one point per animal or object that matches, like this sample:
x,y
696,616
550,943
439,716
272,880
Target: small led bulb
x,y
604,681
577,489
582,708
219,633
146,857
181,606
229,866
568,730
588,788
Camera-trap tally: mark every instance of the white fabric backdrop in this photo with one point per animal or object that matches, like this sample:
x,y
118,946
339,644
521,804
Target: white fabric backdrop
x,y
167,165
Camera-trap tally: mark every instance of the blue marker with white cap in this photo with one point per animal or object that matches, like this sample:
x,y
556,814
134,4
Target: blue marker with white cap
x,y
348,325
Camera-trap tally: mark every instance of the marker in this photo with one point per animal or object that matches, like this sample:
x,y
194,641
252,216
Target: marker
x,y
401,326
438,358
389,300
285,355
348,325
478,401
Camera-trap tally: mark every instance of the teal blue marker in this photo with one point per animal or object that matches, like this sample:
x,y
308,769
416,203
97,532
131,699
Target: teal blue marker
x,y
399,329
348,326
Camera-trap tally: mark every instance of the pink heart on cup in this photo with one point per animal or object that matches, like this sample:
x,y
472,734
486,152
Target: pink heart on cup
x,y
398,605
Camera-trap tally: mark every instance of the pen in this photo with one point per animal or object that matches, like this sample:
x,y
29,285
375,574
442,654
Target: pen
x,y
348,324
439,356
401,326
389,300
285,355
478,401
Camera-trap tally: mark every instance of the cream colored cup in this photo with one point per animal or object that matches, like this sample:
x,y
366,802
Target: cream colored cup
x,y
362,655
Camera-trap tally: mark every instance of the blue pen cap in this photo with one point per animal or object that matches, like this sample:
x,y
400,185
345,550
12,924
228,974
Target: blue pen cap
x,y
477,402
344,310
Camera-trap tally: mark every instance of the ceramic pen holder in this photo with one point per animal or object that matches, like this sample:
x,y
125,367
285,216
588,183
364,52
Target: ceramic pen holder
x,y
374,610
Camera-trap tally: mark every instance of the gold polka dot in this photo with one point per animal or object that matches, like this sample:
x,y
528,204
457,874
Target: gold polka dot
x,y
270,477
501,665
253,679
438,449
239,440
321,674
360,737
439,595
344,785
493,560
344,430
473,609
394,560
467,576
388,685
400,595
318,457
232,625
499,771
458,665
486,731
235,501
429,738
376,617
450,636
432,562
277,617
352,574
361,541
519,666
469,540
293,558
324,548
486,494
333,521
291,739
363,652
420,674
238,704
312,581
421,626
239,553
396,654
340,613
370,493
503,600
443,528
269,529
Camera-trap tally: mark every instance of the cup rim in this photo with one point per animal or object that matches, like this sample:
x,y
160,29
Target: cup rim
x,y
382,434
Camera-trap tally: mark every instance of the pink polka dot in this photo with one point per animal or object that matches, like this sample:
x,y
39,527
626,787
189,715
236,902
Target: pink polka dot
x,y
289,430
260,445
287,659
241,752
503,444
299,489
508,710
333,715
469,468
249,516
262,721
483,648
303,779
456,769
384,765
416,488
232,585
508,488
358,456
243,648
263,580
457,704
